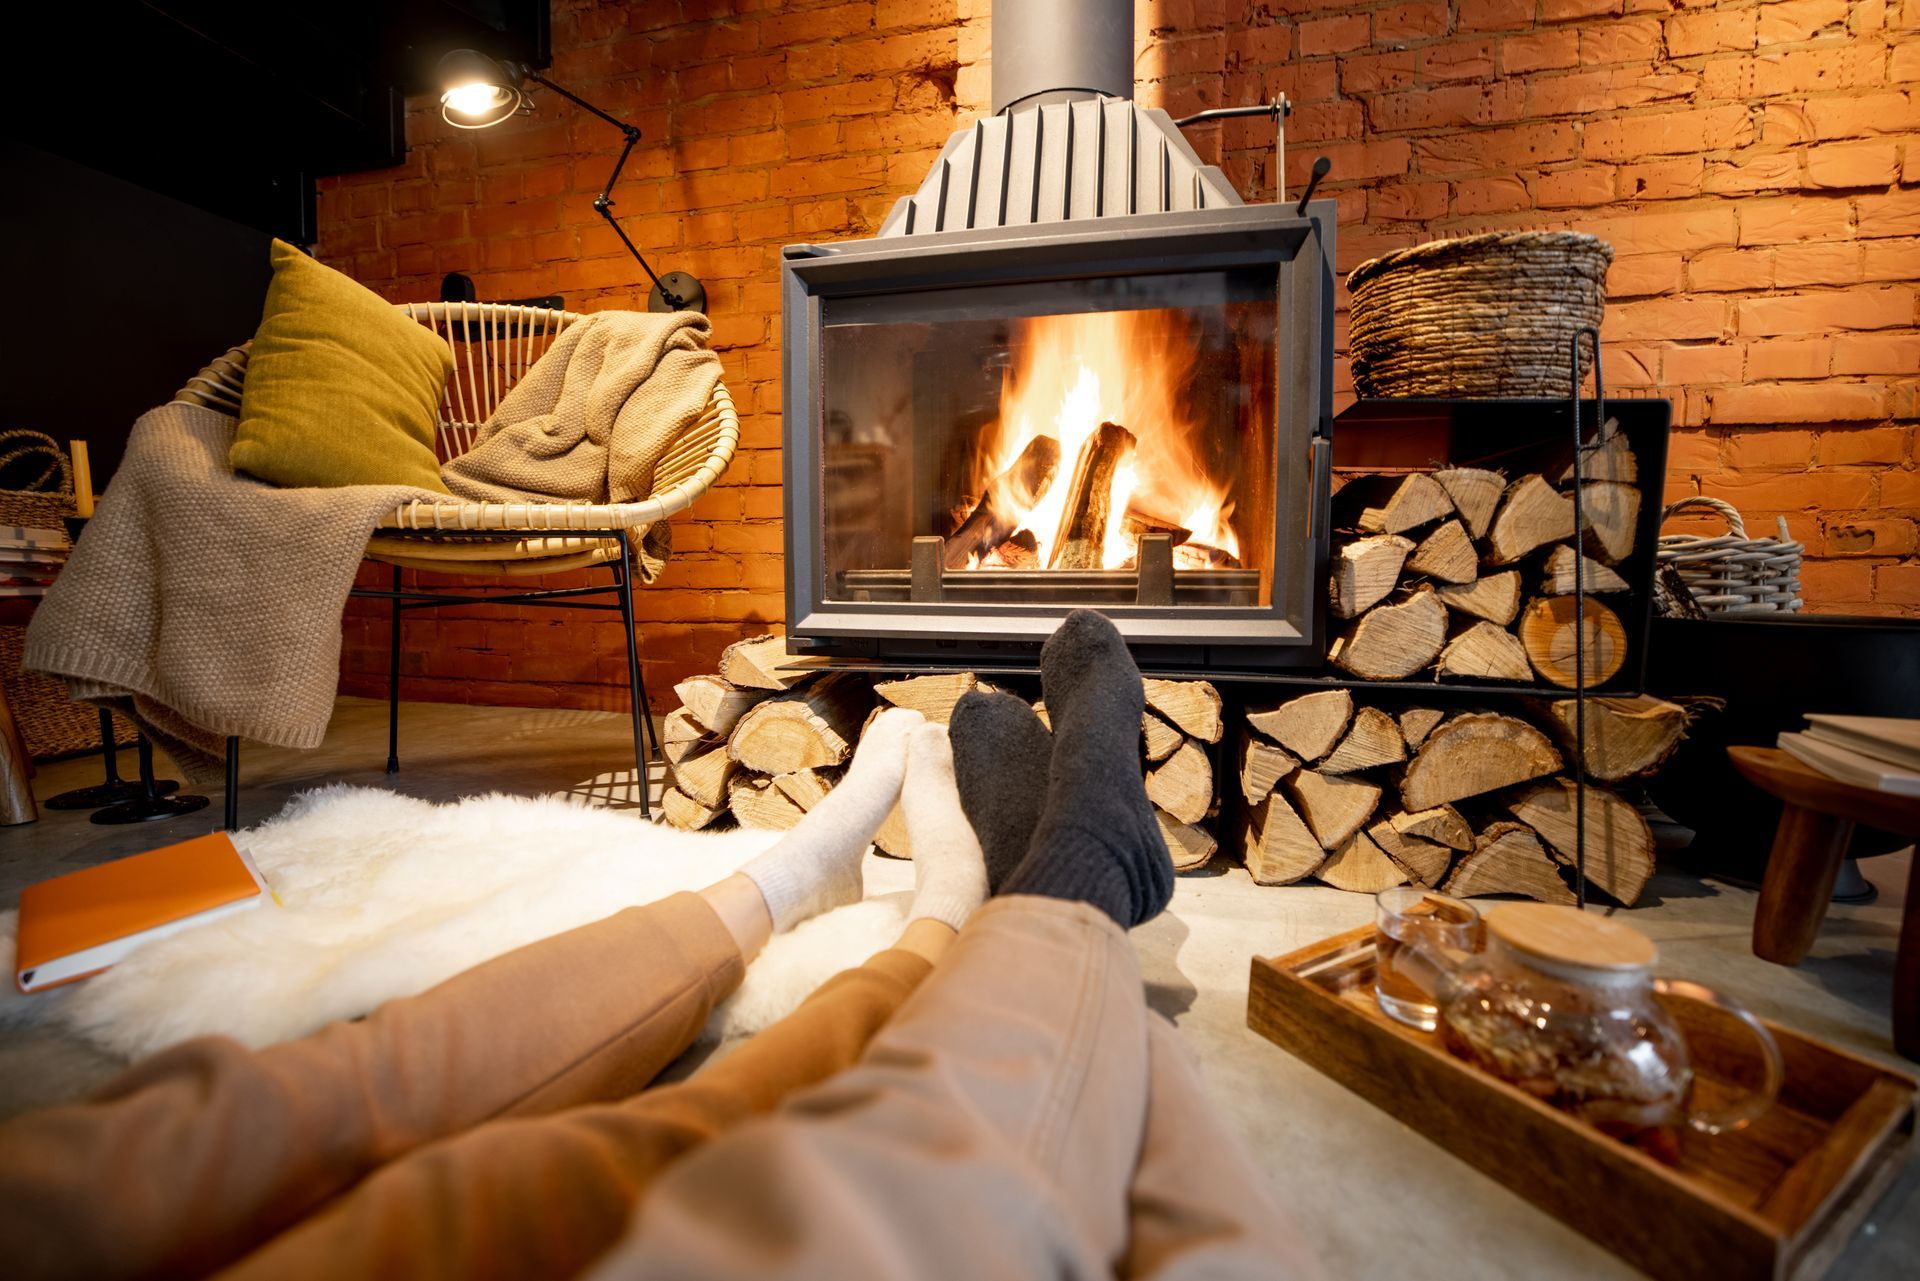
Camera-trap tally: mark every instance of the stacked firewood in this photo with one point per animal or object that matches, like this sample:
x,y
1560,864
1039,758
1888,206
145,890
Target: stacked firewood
x,y
1470,802
1462,573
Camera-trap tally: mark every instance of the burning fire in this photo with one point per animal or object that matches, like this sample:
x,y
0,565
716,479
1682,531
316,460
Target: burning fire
x,y
1072,374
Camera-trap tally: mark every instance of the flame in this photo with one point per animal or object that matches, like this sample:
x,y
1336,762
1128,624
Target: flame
x,y
1071,373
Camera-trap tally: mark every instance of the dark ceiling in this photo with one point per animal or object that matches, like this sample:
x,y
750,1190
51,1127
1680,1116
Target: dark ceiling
x,y
235,106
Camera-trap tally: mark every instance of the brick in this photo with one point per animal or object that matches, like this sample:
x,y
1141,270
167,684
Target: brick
x,y
1865,116
1876,354
1574,95
1859,164
1752,450
1662,180
1495,15
1798,403
1799,72
1788,358
1490,194
1461,60
1785,222
1641,275
1871,307
1454,106
1778,171
1817,264
1405,23
1343,34
1709,31
1806,491
1374,73
1585,187
1896,584
1824,583
1865,445
1794,20
1702,364
1502,149
1668,133
1539,51
1692,452
1665,230
1634,40
1869,537
1891,215
1401,201
1665,319
1574,10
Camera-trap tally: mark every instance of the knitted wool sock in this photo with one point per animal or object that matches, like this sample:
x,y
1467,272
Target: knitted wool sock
x,y
816,865
1000,760
1097,841
949,876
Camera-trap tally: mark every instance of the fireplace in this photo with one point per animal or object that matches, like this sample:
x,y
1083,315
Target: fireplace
x,y
1072,370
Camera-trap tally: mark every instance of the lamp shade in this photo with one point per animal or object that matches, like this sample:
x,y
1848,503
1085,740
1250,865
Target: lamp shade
x,y
477,91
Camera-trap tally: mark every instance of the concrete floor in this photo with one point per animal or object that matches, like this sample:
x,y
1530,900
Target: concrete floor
x,y
1372,1196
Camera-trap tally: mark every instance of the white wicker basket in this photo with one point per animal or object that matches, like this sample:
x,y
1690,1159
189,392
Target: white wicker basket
x,y
1731,573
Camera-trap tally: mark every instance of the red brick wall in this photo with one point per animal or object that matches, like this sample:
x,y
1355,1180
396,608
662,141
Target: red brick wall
x,y
1756,166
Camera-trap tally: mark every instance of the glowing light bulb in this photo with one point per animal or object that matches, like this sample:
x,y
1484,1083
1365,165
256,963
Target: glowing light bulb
x,y
473,99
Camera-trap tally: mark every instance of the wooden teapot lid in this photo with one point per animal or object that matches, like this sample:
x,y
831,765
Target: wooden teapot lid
x,y
1566,936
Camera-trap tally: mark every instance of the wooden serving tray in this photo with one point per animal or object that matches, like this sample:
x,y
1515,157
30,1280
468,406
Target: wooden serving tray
x,y
1778,1200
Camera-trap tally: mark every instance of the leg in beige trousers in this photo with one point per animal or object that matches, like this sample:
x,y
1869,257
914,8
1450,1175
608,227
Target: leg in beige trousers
x,y
202,1151
1020,1117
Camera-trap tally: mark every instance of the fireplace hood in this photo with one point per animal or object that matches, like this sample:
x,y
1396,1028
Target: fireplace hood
x,y
1071,208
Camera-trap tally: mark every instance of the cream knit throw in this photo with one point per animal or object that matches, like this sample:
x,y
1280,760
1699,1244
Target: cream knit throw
x,y
207,603
594,416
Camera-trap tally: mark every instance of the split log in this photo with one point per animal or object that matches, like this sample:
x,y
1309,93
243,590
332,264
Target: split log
x,y
1442,823
1160,739
891,838
1335,806
804,728
1446,554
1136,523
1557,575
1486,652
1392,642
716,702
1192,705
1425,862
1009,498
685,813
704,775
1374,740
1474,753
756,803
1611,511
755,663
1262,766
807,787
1307,726
1418,722
1475,492
1495,598
1364,571
682,736
1279,848
932,696
1362,867
1609,457
1619,842
1415,501
1190,846
1507,859
1626,737
1547,631
1022,551
1532,514
1182,785
1083,527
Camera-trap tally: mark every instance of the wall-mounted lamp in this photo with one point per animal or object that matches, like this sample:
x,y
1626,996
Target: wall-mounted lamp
x,y
477,91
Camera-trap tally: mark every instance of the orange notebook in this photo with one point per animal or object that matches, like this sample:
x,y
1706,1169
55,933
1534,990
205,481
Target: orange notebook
x,y
81,923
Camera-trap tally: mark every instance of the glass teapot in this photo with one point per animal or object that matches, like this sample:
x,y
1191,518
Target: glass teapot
x,y
1563,1005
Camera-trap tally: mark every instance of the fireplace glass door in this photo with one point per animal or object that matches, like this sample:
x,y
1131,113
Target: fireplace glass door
x,y
1106,441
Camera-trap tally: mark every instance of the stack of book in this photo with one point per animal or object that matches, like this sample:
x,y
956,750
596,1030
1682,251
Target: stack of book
x,y
1880,752
29,559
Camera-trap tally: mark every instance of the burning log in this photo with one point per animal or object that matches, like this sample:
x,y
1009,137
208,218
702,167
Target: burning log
x,y
1474,753
1008,499
1191,555
1083,529
1136,523
1022,551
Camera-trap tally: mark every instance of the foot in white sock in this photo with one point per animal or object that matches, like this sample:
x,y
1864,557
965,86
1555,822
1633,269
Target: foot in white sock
x,y
817,865
949,872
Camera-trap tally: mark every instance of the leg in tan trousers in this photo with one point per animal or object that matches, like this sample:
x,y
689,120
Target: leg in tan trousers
x,y
545,1196
201,1152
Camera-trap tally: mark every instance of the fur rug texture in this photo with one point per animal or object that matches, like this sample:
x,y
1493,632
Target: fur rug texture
x,y
382,895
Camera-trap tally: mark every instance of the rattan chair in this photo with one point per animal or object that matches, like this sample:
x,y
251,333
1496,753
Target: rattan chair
x,y
493,345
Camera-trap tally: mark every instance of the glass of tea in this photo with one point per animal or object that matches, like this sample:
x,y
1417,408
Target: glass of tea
x,y
1404,981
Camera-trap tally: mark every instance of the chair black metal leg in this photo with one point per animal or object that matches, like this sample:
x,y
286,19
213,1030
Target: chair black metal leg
x,y
636,692
233,784
151,804
115,790
393,683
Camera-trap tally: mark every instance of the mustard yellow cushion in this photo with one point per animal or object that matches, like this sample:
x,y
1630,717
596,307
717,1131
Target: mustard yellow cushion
x,y
341,388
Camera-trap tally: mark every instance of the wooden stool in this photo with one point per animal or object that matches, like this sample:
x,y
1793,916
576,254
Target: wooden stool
x,y
1815,829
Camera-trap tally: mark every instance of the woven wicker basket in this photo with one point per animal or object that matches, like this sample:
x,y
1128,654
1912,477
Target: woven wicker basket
x,y
1731,573
51,722
45,499
1477,318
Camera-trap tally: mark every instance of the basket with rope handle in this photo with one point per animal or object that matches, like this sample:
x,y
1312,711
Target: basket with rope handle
x,y
44,500
1731,573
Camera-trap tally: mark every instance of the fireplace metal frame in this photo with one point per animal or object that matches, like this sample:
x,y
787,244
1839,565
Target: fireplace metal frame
x,y
1299,247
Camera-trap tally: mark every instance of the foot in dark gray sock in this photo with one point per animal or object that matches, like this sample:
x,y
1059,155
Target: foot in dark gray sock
x,y
1097,841
1000,758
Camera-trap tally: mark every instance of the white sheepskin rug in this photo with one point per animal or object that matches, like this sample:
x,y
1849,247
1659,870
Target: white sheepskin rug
x,y
382,895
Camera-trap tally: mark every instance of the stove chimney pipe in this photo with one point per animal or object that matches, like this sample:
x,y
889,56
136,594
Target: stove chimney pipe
x,y
1060,50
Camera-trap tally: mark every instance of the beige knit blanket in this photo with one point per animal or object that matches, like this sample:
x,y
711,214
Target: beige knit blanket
x,y
594,416
205,603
